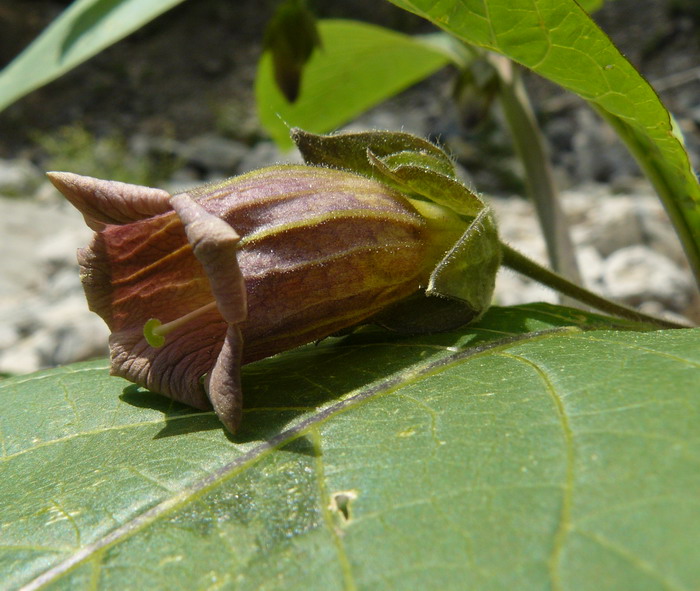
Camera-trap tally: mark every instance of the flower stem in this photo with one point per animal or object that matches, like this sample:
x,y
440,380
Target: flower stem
x,y
522,264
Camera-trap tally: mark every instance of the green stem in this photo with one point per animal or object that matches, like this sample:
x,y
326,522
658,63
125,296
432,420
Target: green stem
x,y
520,263
530,146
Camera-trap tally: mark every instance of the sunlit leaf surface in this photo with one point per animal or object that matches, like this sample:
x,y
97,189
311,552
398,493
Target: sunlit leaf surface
x,y
522,453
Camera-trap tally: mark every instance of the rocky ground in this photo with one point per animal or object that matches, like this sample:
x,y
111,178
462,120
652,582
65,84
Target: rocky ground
x,y
627,248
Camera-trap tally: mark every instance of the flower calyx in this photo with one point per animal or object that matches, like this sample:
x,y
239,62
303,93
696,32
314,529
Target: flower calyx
x,y
375,227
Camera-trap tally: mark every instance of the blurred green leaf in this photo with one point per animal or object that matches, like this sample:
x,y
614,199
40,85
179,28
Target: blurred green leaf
x,y
591,5
358,66
85,28
492,458
291,37
558,40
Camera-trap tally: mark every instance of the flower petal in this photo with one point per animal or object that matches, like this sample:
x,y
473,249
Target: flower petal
x,y
109,202
223,385
142,270
320,250
175,369
147,269
214,243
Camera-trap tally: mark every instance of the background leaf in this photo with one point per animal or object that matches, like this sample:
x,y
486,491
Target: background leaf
x,y
558,40
591,5
357,67
495,458
85,28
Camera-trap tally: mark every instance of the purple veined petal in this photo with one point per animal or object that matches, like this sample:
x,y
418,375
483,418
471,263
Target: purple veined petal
x,y
109,202
195,285
214,243
145,269
223,384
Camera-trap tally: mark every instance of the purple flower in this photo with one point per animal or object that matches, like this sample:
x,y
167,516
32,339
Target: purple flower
x,y
194,285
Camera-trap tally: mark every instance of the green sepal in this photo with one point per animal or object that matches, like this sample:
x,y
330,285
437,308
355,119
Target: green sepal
x,y
468,271
410,175
421,160
349,150
410,164
466,275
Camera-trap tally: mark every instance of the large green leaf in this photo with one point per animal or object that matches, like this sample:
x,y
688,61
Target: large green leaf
x,y
358,66
494,458
81,31
558,40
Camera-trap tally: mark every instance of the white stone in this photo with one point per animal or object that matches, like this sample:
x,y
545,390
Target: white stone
x,y
613,224
25,226
23,356
19,178
513,289
591,265
636,274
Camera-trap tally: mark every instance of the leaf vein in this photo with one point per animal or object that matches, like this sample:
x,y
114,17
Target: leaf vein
x,y
632,559
49,375
629,345
564,525
325,502
92,432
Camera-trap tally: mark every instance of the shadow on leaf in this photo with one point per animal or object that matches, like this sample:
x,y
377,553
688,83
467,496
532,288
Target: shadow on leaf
x,y
179,418
280,389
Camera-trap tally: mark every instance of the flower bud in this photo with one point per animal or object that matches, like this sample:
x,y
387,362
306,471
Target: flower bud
x,y
194,285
